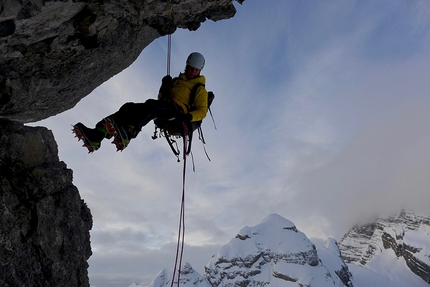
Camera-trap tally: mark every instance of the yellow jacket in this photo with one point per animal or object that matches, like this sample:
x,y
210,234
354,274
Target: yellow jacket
x,y
181,90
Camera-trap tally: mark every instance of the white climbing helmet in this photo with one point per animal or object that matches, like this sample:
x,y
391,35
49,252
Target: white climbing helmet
x,y
196,60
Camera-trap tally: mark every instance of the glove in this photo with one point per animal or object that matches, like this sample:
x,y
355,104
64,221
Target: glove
x,y
166,80
165,87
184,117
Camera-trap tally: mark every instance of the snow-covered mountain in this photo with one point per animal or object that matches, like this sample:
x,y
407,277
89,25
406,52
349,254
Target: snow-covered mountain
x,y
404,237
393,252
273,253
189,278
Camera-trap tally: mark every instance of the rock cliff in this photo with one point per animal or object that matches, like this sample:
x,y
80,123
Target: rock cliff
x,y
407,234
44,224
47,50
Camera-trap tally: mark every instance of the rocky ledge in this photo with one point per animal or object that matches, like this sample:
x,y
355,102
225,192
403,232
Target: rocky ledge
x,y
49,48
44,224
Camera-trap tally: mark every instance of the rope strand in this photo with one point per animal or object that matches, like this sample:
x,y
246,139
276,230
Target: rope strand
x,y
181,230
169,52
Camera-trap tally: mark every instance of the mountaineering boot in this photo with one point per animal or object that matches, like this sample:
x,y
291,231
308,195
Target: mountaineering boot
x,y
91,137
100,126
122,136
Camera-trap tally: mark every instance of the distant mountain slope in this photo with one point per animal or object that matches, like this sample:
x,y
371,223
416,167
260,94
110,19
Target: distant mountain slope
x,y
273,253
392,252
406,234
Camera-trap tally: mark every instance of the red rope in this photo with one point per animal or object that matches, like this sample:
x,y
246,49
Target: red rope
x,y
181,231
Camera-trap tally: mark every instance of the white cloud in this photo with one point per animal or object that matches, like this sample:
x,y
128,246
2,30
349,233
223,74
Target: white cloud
x,y
382,168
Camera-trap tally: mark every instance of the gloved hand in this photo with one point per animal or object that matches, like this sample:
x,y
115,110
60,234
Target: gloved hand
x,y
184,117
167,80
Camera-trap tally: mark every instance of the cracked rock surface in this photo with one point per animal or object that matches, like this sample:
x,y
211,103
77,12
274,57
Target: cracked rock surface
x,y
48,49
44,224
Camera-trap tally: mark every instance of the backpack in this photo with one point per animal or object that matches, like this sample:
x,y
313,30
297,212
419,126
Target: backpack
x,y
174,129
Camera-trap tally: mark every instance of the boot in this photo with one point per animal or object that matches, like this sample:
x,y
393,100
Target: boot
x,y
122,135
91,137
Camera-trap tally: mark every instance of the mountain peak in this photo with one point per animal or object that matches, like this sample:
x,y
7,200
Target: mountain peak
x,y
275,219
274,234
271,254
275,253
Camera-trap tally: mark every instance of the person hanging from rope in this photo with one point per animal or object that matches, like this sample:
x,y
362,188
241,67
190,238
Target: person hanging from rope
x,y
172,104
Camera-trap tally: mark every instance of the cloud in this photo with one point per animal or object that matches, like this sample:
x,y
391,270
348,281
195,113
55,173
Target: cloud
x,y
139,265
382,168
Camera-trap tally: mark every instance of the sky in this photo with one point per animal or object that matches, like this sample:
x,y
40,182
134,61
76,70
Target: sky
x,y
322,110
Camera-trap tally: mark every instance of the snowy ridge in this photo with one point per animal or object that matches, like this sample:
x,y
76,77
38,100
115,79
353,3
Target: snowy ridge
x,y
273,254
333,261
394,252
189,277
406,235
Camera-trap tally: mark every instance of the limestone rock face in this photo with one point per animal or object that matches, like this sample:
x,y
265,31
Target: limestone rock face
x,y
48,49
416,259
407,234
44,225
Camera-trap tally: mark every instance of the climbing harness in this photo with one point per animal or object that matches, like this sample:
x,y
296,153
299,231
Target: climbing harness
x,y
172,130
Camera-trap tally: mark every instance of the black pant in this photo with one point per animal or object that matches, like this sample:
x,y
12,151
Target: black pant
x,y
139,114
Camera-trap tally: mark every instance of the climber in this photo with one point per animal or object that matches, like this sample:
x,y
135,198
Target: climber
x,y
172,104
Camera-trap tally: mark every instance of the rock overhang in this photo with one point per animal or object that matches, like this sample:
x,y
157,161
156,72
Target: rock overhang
x,y
48,49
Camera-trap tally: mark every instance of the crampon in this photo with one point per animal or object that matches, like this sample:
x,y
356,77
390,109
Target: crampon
x,y
79,133
120,135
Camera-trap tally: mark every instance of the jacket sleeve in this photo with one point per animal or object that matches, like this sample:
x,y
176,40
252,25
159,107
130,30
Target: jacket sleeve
x,y
162,92
200,106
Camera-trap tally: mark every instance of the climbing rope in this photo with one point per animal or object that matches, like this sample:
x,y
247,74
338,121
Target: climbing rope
x,y
169,52
181,230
